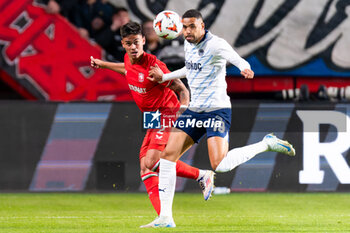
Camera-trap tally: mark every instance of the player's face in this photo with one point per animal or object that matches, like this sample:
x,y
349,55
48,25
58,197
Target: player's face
x,y
193,29
133,45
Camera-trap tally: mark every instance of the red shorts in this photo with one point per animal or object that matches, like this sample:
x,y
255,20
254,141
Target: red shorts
x,y
154,139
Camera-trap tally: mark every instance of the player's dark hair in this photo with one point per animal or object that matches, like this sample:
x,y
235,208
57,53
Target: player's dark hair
x,y
192,14
131,28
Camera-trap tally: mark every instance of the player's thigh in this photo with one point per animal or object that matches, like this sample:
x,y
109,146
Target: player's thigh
x,y
218,136
151,148
217,149
187,145
178,143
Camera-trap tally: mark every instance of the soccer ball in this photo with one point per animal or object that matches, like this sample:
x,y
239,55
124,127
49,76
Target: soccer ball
x,y
167,24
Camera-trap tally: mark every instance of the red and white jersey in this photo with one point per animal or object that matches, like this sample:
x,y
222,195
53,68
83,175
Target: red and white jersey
x,y
148,95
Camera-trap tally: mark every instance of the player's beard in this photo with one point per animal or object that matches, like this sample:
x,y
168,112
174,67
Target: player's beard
x,y
190,39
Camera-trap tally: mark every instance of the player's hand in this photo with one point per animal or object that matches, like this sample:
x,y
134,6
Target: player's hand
x,y
53,7
96,63
156,74
247,73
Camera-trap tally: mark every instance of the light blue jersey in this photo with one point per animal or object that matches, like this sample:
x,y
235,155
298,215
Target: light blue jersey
x,y
205,69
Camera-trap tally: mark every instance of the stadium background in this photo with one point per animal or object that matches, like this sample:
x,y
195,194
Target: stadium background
x,y
84,132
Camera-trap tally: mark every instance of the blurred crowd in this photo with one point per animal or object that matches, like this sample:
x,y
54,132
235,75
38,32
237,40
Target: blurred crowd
x,y
99,20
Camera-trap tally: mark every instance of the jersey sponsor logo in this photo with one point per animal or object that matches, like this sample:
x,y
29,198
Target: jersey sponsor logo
x,y
137,89
193,65
141,77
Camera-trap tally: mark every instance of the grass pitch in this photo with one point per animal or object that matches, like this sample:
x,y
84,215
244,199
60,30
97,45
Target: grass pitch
x,y
237,212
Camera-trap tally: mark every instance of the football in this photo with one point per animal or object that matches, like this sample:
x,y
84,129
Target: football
x,y
167,25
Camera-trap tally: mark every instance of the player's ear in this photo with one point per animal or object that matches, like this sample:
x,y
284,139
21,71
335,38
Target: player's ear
x,y
143,40
123,43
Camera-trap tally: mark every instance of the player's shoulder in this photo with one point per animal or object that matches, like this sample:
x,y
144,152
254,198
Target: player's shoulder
x,y
162,66
214,39
152,60
217,44
149,58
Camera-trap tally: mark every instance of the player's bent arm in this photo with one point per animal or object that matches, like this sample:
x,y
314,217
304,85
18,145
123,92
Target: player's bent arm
x,y
179,88
227,52
177,74
157,75
117,67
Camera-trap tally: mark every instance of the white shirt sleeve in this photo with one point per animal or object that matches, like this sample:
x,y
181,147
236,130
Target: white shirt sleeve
x,y
227,52
177,74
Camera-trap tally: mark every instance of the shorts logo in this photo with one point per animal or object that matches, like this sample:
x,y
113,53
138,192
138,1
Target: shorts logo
x,y
141,77
151,120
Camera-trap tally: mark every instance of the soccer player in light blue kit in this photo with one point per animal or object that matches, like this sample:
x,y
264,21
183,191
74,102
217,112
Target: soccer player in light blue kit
x,y
205,70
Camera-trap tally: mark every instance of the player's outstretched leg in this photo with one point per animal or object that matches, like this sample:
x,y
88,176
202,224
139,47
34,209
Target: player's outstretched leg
x,y
277,145
206,182
237,156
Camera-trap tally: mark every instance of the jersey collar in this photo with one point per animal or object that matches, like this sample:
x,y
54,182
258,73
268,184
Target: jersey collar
x,y
204,37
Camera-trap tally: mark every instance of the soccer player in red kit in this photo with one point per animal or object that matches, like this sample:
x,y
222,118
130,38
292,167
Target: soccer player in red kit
x,y
152,96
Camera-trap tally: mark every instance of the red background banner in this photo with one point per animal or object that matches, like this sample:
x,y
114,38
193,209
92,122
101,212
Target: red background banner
x,y
49,56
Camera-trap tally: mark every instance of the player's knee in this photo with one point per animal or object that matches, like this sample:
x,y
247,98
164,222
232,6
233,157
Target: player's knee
x,y
143,169
149,162
170,154
214,164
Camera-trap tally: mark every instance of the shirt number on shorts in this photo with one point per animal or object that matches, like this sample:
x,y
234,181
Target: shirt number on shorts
x,y
220,128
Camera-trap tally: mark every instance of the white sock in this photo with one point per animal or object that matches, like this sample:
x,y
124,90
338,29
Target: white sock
x,y
201,174
240,155
167,181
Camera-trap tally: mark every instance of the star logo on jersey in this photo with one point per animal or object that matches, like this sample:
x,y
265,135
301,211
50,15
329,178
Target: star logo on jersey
x,y
151,120
141,77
